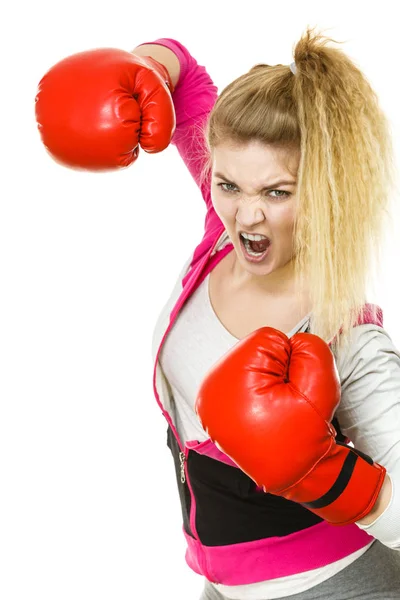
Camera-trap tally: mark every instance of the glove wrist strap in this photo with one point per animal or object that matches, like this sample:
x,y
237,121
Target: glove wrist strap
x,y
351,481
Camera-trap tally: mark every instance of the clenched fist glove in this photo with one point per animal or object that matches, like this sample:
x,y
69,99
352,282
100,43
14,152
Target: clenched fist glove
x,y
94,108
268,404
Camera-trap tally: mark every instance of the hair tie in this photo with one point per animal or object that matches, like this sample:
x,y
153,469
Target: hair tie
x,y
293,68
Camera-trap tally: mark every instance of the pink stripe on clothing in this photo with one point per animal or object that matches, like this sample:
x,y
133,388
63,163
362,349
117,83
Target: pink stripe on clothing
x,y
261,560
208,448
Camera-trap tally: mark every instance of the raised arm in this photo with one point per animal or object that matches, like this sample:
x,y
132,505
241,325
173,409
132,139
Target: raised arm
x,y
194,96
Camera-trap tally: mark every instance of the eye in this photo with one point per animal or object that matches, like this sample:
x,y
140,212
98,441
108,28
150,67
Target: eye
x,y
285,194
223,189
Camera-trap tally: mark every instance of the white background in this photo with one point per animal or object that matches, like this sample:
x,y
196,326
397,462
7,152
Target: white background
x,y
89,505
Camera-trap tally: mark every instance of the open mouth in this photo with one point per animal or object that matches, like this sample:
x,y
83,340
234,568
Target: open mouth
x,y
255,248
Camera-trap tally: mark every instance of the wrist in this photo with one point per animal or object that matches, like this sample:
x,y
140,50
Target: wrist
x,y
381,503
164,56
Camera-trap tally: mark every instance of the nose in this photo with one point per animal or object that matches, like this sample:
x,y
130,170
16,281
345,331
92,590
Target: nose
x,y
249,214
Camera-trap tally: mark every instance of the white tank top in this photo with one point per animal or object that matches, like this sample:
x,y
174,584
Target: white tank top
x,y
196,341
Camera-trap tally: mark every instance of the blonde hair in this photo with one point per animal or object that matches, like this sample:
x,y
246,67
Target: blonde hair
x,y
330,113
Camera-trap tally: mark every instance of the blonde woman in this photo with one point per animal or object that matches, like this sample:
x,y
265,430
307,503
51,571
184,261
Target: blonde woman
x,y
267,328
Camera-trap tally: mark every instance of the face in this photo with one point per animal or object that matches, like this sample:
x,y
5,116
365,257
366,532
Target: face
x,y
247,198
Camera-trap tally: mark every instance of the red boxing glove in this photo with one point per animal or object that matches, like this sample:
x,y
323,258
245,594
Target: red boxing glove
x,y
94,108
268,404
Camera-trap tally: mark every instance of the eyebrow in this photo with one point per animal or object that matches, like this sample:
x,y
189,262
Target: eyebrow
x,y
273,184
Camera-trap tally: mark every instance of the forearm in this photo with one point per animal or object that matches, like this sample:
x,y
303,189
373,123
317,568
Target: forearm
x,y
163,55
381,504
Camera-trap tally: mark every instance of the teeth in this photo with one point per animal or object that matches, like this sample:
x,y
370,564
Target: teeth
x,y
253,238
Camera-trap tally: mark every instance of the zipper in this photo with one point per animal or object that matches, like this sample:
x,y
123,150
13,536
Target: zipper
x,y
182,459
192,516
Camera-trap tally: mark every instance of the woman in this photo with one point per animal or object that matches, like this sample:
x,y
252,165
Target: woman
x,y
295,166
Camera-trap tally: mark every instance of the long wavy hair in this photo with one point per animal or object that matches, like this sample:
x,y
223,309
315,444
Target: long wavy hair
x,y
346,174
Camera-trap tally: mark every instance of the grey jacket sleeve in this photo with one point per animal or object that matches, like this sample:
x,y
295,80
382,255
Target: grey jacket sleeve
x,y
369,414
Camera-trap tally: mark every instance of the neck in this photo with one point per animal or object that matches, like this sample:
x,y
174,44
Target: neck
x,y
279,282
